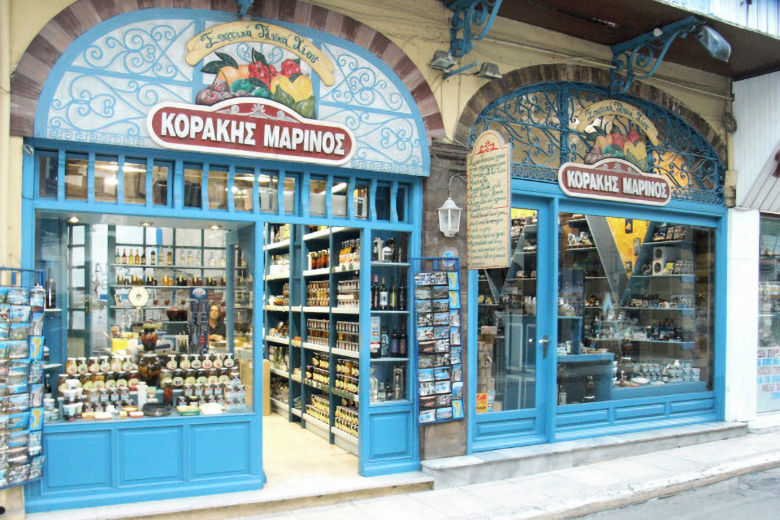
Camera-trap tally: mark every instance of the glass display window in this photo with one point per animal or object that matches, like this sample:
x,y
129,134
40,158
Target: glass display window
x,y
769,315
635,308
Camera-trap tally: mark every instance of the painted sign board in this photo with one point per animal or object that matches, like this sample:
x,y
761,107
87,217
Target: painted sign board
x,y
250,127
488,198
614,179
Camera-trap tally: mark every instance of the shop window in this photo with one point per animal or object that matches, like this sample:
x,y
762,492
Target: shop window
x,y
193,177
401,201
76,177
317,191
289,194
243,181
48,166
506,342
267,192
383,201
361,199
134,174
218,187
161,173
106,179
769,315
635,308
338,197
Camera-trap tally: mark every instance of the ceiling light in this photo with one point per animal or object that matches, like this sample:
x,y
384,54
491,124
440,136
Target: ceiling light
x,y
73,219
146,224
489,71
442,60
215,227
714,42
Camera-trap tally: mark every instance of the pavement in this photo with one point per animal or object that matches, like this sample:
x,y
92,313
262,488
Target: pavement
x,y
570,492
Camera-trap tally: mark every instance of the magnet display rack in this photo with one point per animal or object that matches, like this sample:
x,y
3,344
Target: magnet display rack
x,y
21,418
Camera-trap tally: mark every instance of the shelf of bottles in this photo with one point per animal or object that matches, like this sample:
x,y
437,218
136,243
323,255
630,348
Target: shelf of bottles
x,y
168,263
388,336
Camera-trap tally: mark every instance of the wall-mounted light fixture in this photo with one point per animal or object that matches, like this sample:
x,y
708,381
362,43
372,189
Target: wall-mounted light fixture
x,y
449,213
442,60
489,71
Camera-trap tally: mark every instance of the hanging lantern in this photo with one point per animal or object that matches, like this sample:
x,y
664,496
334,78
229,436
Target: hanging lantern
x,y
449,218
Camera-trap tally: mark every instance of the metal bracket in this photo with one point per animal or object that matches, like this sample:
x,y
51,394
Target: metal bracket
x,y
244,6
468,17
640,57
459,70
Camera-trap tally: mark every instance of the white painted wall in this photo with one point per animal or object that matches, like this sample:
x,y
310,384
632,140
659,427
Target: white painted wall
x,y
742,314
757,111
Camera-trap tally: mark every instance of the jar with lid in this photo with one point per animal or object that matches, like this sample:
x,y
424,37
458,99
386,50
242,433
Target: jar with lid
x,y
81,367
184,362
198,390
98,381
195,362
116,364
121,380
206,361
625,369
127,364
213,376
149,369
224,376
61,384
168,393
218,361
229,362
93,365
133,379
178,378
105,366
71,366
202,377
86,381
190,376
188,391
166,377
171,363
110,380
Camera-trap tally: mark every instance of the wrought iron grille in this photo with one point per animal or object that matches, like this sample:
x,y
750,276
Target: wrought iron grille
x,y
540,121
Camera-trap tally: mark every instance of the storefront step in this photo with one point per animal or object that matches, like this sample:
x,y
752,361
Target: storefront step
x,y
285,494
514,462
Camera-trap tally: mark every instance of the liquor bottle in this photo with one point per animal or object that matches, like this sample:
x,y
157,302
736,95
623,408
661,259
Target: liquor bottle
x,y
124,257
137,258
131,259
398,383
117,257
170,257
402,296
383,295
374,292
143,257
399,251
394,343
374,387
392,302
384,343
50,292
153,258
402,341
387,251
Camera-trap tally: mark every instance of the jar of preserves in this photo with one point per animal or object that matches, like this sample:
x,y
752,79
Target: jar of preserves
x,y
195,362
105,366
133,379
213,376
127,364
178,378
206,361
166,377
229,362
168,393
218,361
184,362
171,364
71,366
99,381
116,364
121,380
224,376
202,377
86,381
82,365
110,380
149,369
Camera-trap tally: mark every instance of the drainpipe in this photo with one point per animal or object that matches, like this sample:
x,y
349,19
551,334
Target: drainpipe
x,y
5,117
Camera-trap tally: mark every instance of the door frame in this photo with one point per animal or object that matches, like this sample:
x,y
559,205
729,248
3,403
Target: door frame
x,y
512,428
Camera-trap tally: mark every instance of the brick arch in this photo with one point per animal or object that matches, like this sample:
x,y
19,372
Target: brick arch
x,y
563,72
48,45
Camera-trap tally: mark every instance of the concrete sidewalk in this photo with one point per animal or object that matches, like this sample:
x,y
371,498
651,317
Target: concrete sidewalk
x,y
572,491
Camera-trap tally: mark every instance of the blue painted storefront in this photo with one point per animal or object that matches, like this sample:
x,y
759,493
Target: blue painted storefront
x,y
93,106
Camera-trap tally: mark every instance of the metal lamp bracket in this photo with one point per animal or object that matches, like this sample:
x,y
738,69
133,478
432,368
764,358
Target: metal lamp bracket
x,y
640,57
244,6
471,20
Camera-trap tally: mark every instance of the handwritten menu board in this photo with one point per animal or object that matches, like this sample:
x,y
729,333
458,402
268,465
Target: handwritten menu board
x,y
488,197
438,339
21,378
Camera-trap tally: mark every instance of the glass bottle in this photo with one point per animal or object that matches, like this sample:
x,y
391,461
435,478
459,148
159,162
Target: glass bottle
x,y
124,257
137,258
169,257
374,387
117,257
143,257
153,258
402,342
383,295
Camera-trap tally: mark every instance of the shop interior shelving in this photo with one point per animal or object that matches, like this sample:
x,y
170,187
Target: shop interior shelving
x,y
314,337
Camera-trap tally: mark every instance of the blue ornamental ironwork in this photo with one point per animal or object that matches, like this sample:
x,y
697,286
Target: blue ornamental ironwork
x,y
243,6
468,17
540,121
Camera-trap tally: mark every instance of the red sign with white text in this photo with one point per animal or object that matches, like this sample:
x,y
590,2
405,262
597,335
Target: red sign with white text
x,y
253,127
614,179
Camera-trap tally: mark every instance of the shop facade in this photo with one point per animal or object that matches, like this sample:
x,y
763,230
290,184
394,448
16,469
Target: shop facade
x,y
243,164
576,336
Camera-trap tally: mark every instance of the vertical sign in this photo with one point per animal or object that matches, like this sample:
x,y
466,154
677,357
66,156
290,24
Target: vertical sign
x,y
488,198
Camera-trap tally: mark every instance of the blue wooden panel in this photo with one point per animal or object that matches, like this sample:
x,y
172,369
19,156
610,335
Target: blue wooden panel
x,y
580,417
642,411
503,426
389,435
77,460
219,449
691,405
150,454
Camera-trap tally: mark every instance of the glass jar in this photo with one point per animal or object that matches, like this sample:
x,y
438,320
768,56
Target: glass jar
x,y
195,362
105,366
86,381
206,361
229,362
213,376
168,393
149,369
116,364
110,380
190,377
178,378
127,364
121,380
81,366
202,377
99,381
218,361
184,362
71,366
166,377
625,370
171,363
224,376
133,379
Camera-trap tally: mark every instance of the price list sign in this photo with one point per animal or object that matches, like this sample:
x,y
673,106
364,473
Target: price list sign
x,y
439,348
488,197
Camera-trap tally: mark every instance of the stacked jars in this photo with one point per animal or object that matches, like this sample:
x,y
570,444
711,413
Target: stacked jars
x,y
347,419
347,373
319,259
319,408
348,296
347,335
318,294
317,331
